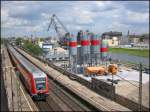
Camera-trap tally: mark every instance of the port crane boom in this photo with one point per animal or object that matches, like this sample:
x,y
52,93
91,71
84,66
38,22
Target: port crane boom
x,y
60,29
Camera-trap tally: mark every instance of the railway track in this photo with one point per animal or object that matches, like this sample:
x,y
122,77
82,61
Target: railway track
x,y
43,106
60,99
69,99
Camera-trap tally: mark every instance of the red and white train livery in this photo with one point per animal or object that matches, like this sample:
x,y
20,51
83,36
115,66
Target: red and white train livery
x,y
36,81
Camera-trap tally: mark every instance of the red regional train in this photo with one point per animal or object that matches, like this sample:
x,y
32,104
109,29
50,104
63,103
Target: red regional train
x,y
35,80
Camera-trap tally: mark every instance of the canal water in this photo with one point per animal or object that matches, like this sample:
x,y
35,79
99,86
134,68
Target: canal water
x,y
129,58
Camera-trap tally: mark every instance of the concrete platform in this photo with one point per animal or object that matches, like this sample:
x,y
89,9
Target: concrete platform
x,y
17,98
85,78
85,93
131,90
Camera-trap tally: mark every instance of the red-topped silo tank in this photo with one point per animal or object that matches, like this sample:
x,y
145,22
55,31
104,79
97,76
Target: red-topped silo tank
x,y
95,44
85,43
72,45
104,48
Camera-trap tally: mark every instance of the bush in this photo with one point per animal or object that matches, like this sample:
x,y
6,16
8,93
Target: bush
x,y
18,41
33,48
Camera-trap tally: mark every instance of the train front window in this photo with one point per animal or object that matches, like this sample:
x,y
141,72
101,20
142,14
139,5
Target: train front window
x,y
40,83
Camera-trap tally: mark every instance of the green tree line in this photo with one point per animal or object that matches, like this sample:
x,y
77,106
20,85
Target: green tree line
x,y
29,46
32,48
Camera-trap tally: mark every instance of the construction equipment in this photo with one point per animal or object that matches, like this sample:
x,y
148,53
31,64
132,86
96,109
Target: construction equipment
x,y
101,70
113,69
60,29
95,70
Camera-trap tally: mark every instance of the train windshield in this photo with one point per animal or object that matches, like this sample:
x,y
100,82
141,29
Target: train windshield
x,y
40,83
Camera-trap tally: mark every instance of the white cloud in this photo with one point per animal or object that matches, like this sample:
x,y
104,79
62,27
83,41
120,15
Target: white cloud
x,y
137,16
103,4
98,16
116,26
83,16
45,15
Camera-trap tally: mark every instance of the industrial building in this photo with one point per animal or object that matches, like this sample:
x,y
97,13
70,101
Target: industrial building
x,y
57,54
47,47
113,38
139,41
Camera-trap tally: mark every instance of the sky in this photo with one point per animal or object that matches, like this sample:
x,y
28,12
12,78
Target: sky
x,y
26,18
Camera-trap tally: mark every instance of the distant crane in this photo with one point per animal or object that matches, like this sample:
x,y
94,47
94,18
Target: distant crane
x,y
60,29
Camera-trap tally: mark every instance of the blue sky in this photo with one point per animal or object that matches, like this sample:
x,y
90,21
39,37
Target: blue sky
x,y
23,18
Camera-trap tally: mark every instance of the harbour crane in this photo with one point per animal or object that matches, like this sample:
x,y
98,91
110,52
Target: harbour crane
x,y
60,29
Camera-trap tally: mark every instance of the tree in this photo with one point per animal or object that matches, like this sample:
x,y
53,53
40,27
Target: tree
x,y
142,38
33,48
2,40
18,41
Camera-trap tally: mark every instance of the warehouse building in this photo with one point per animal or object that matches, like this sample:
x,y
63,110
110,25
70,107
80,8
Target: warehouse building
x,y
113,38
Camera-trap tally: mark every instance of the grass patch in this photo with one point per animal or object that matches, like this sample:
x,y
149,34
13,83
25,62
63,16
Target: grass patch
x,y
135,52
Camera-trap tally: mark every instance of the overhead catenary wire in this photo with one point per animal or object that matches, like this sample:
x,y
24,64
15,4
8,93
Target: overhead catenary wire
x,y
127,81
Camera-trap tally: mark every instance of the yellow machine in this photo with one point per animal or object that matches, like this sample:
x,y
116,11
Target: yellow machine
x,y
101,70
113,69
95,70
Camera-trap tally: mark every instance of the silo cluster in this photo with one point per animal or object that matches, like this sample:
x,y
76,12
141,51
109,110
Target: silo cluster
x,y
91,50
